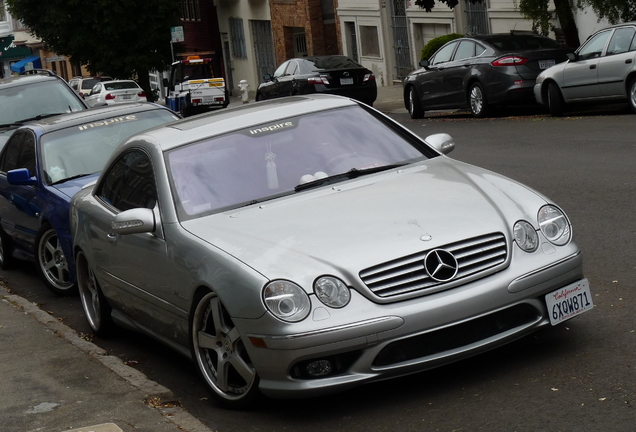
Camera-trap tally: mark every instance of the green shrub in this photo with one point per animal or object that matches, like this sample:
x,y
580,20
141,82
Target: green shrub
x,y
436,43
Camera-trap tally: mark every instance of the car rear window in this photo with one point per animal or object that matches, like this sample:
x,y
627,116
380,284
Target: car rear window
x,y
332,62
120,85
522,42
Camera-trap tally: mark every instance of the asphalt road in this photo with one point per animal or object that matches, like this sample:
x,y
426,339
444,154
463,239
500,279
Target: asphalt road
x,y
580,376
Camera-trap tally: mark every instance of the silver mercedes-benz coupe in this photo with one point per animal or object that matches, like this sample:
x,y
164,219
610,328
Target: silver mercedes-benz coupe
x,y
309,244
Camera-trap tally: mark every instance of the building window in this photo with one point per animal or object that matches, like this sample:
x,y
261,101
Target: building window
x,y
190,10
369,43
237,36
3,12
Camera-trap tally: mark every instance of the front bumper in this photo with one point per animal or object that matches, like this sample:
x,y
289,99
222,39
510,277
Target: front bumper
x,y
378,341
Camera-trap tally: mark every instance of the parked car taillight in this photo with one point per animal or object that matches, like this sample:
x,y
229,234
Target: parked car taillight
x,y
510,61
110,96
322,79
368,77
141,94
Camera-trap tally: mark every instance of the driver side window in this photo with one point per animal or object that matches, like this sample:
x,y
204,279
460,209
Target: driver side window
x,y
129,183
444,54
281,70
19,153
594,47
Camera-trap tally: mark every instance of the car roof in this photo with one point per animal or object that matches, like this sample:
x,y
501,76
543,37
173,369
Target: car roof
x,y
81,117
20,80
204,126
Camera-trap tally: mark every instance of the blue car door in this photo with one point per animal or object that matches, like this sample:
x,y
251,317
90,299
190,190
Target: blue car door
x,y
19,213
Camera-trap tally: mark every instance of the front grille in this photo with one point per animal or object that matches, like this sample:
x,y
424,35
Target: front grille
x,y
456,336
407,274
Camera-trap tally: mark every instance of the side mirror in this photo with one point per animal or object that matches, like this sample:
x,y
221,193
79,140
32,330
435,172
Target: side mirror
x,y
572,56
267,77
134,221
20,176
424,63
442,142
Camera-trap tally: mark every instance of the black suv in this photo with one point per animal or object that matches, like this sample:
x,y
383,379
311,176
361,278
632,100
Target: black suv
x,y
32,96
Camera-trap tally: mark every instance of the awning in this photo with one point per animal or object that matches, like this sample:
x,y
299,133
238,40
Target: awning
x,y
31,62
10,51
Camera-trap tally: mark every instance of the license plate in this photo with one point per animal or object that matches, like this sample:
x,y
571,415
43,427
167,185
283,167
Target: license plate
x,y
544,64
126,97
346,81
569,301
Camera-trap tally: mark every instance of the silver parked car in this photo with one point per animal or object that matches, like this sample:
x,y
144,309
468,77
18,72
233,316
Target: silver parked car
x,y
310,244
603,69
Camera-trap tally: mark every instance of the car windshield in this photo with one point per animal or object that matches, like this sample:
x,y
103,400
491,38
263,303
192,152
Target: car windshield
x,y
84,149
270,160
36,99
522,42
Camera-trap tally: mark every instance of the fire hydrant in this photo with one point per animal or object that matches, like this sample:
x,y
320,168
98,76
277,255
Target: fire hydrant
x,y
243,85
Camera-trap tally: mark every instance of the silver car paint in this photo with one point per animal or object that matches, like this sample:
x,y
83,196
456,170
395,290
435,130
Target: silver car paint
x,y
586,80
237,252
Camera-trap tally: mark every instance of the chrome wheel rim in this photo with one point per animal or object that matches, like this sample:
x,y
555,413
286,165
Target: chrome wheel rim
x,y
219,350
632,94
411,101
89,292
53,262
476,100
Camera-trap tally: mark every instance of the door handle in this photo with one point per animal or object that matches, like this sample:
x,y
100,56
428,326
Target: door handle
x,y
592,66
112,237
628,61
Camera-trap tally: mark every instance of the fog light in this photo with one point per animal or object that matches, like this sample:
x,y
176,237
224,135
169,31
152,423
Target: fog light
x,y
319,368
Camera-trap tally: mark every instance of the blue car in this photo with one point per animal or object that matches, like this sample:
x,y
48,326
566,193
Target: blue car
x,y
42,165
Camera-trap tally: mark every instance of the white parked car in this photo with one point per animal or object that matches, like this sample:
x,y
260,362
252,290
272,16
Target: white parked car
x,y
112,92
603,69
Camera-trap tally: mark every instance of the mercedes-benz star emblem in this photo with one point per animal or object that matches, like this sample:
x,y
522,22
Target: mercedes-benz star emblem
x,y
440,265
345,74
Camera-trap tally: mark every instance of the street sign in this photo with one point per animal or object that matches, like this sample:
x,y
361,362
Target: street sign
x,y
177,34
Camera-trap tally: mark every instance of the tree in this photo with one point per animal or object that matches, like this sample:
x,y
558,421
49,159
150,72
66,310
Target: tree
x,y
537,11
120,38
614,11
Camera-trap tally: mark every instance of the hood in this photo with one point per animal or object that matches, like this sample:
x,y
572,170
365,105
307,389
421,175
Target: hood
x,y
71,187
343,228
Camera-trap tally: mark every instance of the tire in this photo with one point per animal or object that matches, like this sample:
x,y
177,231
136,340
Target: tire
x,y
477,101
631,94
555,100
6,259
95,305
184,111
219,353
414,105
52,263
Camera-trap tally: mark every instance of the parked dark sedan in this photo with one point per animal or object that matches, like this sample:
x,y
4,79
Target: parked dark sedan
x,y
337,75
480,72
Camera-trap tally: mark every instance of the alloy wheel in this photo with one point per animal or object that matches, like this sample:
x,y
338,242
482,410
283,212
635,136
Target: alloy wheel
x,y
220,354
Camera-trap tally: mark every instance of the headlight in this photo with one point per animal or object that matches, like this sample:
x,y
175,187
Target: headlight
x,y
332,291
286,300
525,236
554,225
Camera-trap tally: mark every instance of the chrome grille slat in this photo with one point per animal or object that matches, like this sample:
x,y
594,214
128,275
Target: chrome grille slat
x,y
407,274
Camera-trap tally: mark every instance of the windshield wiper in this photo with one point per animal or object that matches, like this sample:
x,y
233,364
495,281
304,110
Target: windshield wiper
x,y
64,180
37,117
351,174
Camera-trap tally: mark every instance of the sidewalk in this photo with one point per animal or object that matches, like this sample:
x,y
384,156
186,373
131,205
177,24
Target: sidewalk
x,y
55,381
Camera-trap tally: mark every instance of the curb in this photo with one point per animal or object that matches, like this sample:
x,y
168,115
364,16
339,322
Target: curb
x,y
157,396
